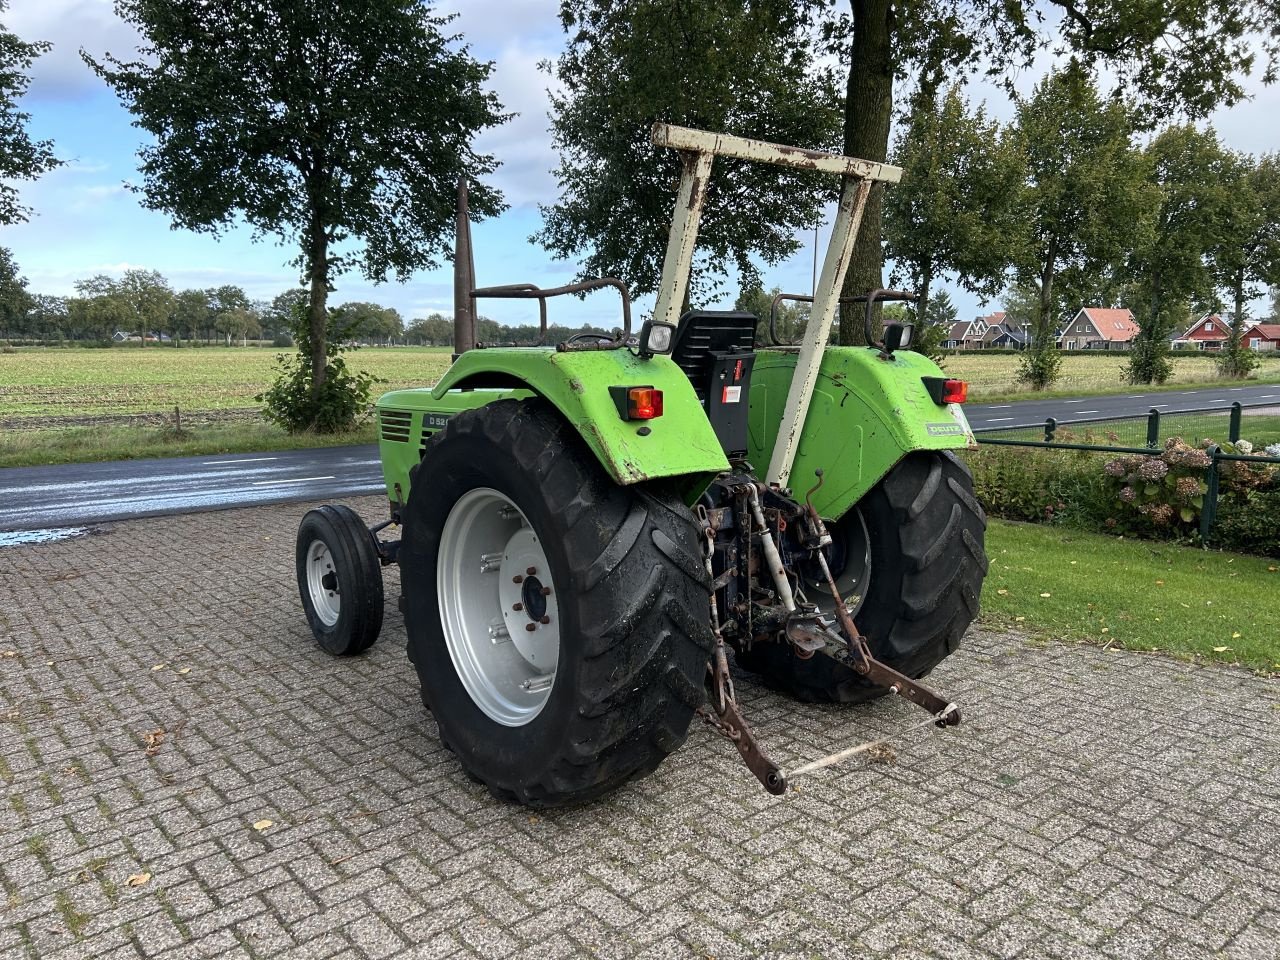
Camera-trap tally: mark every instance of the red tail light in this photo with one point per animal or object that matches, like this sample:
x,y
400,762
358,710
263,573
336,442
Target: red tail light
x,y
955,391
644,403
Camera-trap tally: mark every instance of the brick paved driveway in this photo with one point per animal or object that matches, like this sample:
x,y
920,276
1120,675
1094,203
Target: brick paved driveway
x,y
1095,804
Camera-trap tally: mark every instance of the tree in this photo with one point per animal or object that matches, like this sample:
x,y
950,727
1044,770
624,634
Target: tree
x,y
150,298
1171,266
1088,200
192,314
343,128
1248,254
746,67
48,317
369,321
21,158
435,330
15,301
961,203
100,310
1172,58
237,322
792,316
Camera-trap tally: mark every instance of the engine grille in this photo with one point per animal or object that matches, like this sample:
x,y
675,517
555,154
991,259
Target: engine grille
x,y
395,425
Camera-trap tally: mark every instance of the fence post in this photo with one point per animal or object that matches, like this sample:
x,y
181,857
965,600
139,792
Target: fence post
x,y
1050,425
1233,434
1153,427
1209,505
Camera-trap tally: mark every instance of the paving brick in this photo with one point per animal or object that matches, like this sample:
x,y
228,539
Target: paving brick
x,y
1064,819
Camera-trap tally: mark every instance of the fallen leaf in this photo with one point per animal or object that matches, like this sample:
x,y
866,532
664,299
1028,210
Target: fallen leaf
x,y
1221,649
263,825
1272,569
14,653
1106,629
184,671
1002,592
1159,583
1046,594
159,666
1235,635
1073,563
1019,619
153,739
138,879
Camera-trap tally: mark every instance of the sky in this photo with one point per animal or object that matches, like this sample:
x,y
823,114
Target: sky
x,y
86,222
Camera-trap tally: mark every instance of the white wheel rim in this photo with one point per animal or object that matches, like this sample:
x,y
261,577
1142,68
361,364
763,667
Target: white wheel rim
x,y
322,583
501,622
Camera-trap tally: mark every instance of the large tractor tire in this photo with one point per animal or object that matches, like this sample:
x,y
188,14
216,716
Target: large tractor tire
x,y
912,551
339,579
558,622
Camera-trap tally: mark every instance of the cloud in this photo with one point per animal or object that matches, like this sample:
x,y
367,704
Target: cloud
x,y
60,75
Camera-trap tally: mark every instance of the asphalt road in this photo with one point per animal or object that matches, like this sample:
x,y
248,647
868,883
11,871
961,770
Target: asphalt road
x,y
1031,413
68,495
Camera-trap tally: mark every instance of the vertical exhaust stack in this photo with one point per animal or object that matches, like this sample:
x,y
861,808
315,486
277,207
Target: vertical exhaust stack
x,y
464,278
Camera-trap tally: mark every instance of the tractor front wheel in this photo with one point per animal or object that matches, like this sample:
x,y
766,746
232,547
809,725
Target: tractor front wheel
x,y
558,622
912,553
339,579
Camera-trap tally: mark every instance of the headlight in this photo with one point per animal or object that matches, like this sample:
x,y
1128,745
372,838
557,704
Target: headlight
x,y
656,337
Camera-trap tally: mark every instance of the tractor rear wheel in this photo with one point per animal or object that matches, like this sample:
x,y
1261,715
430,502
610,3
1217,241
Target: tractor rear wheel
x,y
918,535
558,622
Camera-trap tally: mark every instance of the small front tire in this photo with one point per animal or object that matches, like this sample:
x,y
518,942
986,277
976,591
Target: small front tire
x,y
339,579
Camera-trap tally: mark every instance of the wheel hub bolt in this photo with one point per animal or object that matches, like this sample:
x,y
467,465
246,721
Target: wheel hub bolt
x,y
531,571
546,591
517,579
531,627
517,606
545,619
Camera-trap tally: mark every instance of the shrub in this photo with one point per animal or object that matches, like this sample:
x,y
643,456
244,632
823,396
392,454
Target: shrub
x,y
344,399
1040,486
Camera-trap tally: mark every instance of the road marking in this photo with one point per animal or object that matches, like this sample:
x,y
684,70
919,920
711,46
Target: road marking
x,y
1136,396
264,483
996,419
1073,401
211,463
1088,411
1000,406
1161,406
1219,400
1266,396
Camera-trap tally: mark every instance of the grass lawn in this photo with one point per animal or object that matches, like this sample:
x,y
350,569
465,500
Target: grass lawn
x,y
1057,584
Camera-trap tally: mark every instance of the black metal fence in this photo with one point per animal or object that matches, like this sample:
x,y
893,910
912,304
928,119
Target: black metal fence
x,y
1145,436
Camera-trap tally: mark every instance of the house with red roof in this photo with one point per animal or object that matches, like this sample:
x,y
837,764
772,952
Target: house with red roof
x,y
1263,337
1211,332
1100,328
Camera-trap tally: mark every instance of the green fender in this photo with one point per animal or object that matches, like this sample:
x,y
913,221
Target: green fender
x,y
867,413
680,443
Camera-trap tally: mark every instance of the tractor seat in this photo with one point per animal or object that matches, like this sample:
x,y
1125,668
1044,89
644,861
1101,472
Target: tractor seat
x,y
716,350
702,334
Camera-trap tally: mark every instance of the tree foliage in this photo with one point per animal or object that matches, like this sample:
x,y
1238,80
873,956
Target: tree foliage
x,y
1170,264
1248,253
1089,202
792,316
21,158
341,127
746,67
960,207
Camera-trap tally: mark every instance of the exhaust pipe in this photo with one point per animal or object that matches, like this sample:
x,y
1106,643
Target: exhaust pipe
x,y
464,278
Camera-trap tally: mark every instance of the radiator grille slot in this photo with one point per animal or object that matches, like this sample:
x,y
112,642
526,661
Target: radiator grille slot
x,y
395,425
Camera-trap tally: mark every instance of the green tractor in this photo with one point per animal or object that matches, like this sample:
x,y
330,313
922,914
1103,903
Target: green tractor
x,y
586,528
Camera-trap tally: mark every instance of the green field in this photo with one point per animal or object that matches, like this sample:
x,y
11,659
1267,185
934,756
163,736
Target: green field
x,y
52,382
43,382
993,377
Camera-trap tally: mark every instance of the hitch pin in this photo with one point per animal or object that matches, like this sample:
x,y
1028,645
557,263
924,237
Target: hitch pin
x,y
840,756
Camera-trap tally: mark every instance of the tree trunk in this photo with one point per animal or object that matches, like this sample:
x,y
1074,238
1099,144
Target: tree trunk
x,y
318,263
922,304
868,109
1237,321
